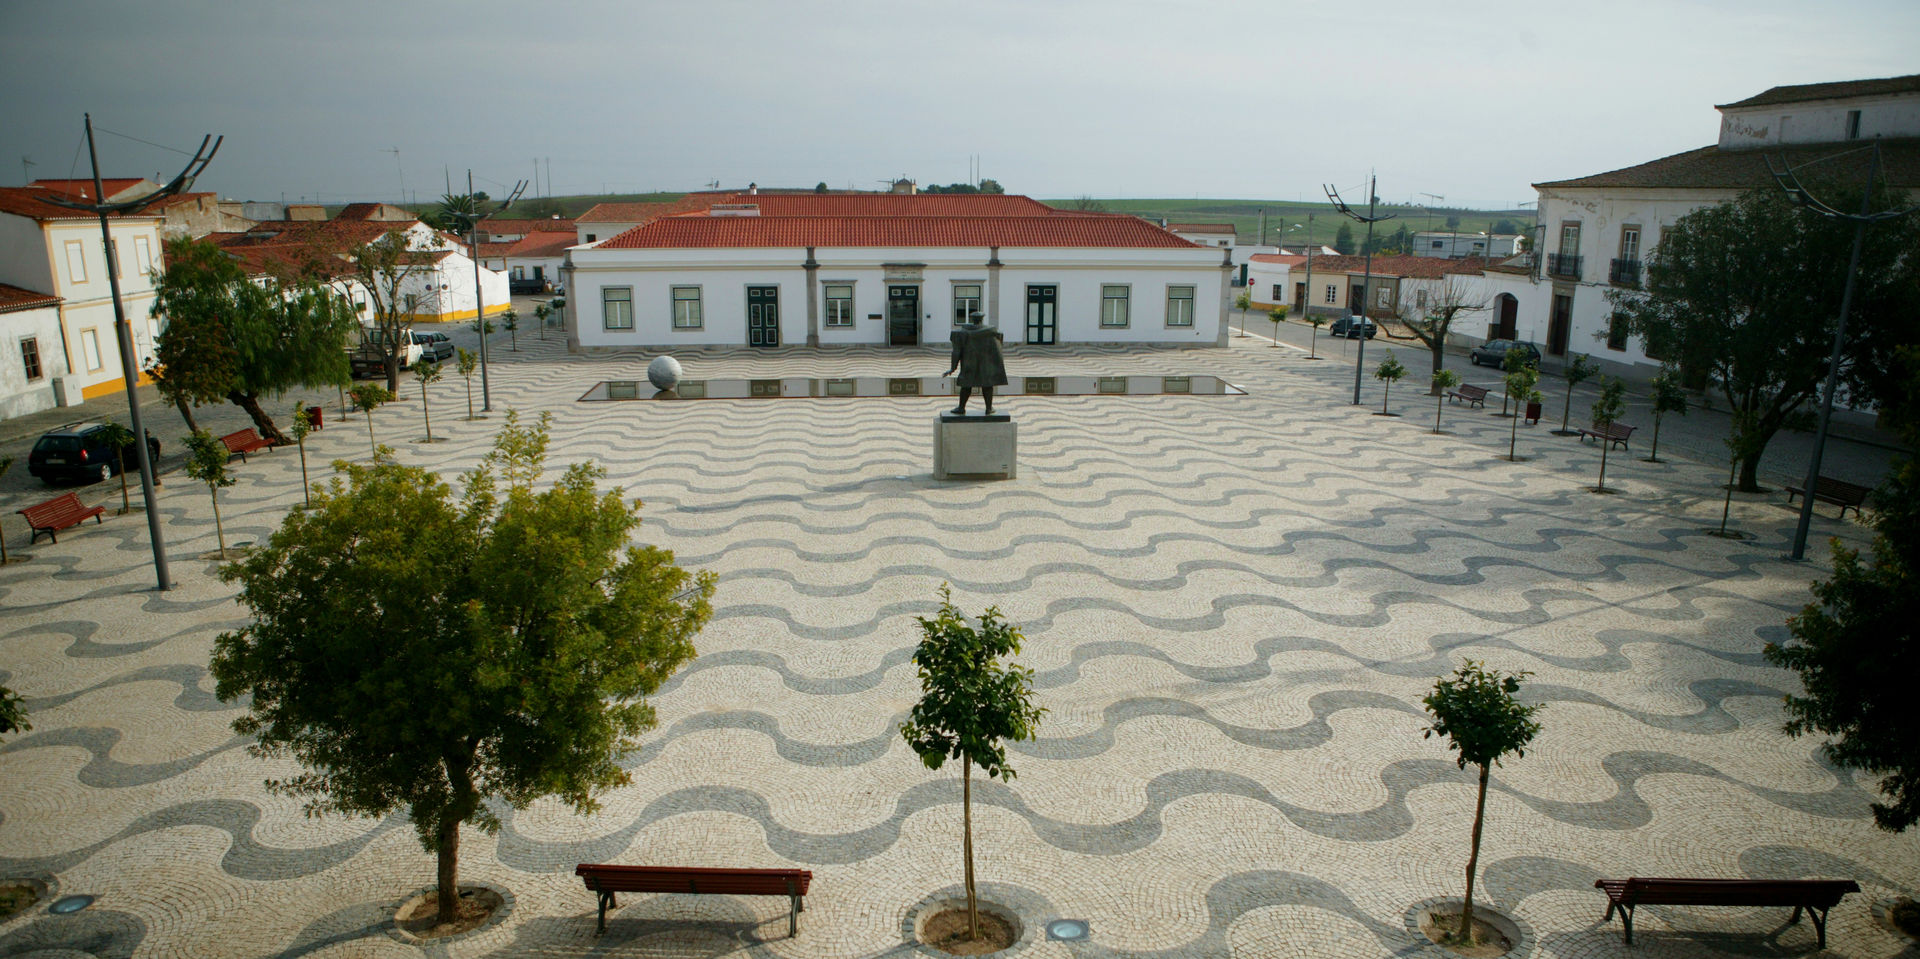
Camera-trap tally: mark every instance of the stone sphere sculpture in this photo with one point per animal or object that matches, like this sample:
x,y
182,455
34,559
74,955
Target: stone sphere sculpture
x,y
664,372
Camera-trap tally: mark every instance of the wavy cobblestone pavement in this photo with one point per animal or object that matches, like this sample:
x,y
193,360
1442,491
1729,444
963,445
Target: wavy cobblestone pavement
x,y
1233,606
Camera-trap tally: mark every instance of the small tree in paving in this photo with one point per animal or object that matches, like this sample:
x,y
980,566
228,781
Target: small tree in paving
x,y
207,462
540,313
426,373
970,702
302,420
510,320
1668,397
1443,380
468,362
1313,338
421,651
1607,411
1278,315
13,712
119,437
1476,711
1389,372
368,397
1579,371
1520,381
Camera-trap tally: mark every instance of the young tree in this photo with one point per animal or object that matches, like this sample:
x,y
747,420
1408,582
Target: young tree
x,y
424,652
384,267
1313,338
1577,372
426,373
540,313
467,363
1432,324
1343,239
1520,381
13,712
969,703
1668,397
119,437
368,397
1443,380
1243,302
1278,315
1745,296
1389,372
510,321
302,425
1476,711
228,337
207,462
1606,412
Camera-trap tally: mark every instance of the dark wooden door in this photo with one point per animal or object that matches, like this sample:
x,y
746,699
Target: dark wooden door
x,y
1509,327
1560,328
903,315
1042,314
763,316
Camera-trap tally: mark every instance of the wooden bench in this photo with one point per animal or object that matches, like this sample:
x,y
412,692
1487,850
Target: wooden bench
x,y
56,514
1838,492
607,880
244,442
1816,896
1615,433
1474,395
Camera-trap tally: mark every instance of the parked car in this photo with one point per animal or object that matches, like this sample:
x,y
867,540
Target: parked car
x,y
523,285
1353,327
80,451
434,347
1494,352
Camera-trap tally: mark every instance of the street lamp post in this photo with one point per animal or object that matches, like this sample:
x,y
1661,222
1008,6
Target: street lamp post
x,y
1366,282
472,218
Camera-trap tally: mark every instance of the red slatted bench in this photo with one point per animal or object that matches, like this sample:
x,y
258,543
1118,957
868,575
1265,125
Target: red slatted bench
x,y
244,442
56,514
607,880
1816,896
1474,395
1615,433
1838,492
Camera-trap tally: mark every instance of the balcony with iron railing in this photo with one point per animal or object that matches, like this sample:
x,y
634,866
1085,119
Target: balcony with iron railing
x,y
1624,273
1563,265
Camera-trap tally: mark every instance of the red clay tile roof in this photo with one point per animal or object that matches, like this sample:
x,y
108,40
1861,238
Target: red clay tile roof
x,y
496,249
1801,93
508,225
895,204
1410,267
623,212
31,203
1226,228
80,189
542,245
13,298
379,212
1289,259
679,232
1711,168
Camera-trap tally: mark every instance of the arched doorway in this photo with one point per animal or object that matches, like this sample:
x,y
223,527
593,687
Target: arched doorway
x,y
1506,323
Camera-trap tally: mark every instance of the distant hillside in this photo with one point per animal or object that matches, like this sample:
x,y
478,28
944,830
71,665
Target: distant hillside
x,y
1281,214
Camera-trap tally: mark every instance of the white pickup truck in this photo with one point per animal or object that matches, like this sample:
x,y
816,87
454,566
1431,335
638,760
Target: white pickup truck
x,y
369,356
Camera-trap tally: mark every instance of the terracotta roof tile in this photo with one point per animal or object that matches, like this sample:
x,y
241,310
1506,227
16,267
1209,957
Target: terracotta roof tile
x,y
31,203
542,245
1801,93
1398,265
1289,259
625,212
81,189
680,232
14,298
1711,168
532,225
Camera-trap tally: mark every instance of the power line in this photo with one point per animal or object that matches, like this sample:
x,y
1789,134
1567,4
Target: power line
x,y
123,136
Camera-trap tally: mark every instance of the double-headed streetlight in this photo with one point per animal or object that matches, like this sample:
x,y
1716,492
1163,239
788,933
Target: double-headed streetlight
x,y
1366,283
470,218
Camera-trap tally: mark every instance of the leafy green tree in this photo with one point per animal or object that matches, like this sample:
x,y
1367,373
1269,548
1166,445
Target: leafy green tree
x,y
1476,711
1278,315
426,373
820,187
368,397
1313,339
302,420
228,337
1582,369
1243,302
1607,411
1453,223
1389,372
1505,227
13,712
420,651
540,313
1668,396
1443,380
1745,296
510,321
1520,381
119,437
384,267
457,212
969,703
1343,239
467,363
990,185
207,462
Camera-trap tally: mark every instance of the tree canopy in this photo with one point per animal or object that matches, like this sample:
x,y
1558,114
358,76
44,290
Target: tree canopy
x,y
1343,239
421,651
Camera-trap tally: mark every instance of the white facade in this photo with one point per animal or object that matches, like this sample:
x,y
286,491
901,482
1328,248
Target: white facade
x,y
1085,284
443,290
65,257
1820,121
33,360
1456,246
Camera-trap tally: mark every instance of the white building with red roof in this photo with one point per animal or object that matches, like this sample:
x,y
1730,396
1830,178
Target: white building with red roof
x,y
889,269
30,327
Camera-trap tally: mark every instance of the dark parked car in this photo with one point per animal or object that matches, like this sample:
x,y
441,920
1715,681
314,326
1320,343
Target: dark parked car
x,y
434,347
80,451
1352,327
1494,352
523,285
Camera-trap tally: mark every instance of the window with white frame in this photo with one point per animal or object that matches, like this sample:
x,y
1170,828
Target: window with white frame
x,y
686,308
76,262
90,349
1113,305
1383,296
1180,305
1630,242
1333,293
1569,239
839,297
1277,293
1420,299
143,255
966,302
616,307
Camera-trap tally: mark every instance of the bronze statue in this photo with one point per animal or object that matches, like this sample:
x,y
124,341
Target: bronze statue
x,y
976,354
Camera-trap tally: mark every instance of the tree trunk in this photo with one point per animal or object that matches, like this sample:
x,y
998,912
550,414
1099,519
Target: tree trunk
x,y
449,877
186,413
1566,409
966,819
1603,462
1439,406
1473,859
126,501
1513,436
218,533
1749,473
1654,456
251,403
306,487
469,380
371,445
1386,390
1439,360
393,374
428,416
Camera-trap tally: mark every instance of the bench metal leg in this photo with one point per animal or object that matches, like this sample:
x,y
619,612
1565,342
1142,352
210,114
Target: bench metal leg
x,y
606,899
1626,918
1794,919
1819,923
793,916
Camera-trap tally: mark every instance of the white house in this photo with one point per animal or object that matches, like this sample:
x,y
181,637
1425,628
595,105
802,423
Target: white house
x,y
57,251
538,256
439,275
892,269
1458,246
1598,230
30,330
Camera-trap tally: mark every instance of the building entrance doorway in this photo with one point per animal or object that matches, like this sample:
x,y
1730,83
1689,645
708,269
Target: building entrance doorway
x,y
763,316
903,315
1042,318
1560,327
1506,325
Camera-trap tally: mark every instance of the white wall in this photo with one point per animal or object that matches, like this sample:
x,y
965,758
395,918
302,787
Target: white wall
x,y
23,254
18,395
1263,277
1819,121
601,230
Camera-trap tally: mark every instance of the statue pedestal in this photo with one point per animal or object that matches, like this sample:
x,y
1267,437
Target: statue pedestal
x,y
975,447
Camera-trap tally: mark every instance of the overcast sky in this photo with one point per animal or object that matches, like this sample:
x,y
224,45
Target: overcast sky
x,y
1114,98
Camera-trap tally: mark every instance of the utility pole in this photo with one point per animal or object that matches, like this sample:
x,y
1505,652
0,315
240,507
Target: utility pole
x,y
472,218
1306,302
101,208
26,165
1798,195
1366,283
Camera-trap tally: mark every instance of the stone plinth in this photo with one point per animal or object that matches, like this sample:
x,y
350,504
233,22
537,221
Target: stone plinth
x,y
975,447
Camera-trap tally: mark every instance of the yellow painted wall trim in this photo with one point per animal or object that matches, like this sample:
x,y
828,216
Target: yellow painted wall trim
x,y
109,387
457,315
